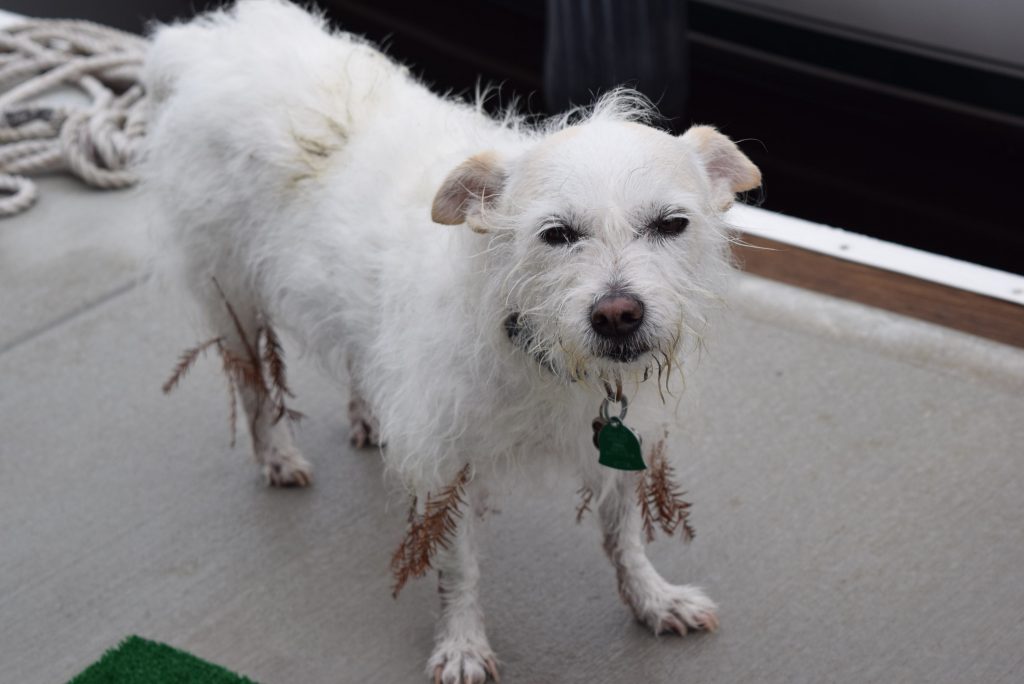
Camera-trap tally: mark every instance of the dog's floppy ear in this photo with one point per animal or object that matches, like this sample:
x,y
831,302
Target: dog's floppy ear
x,y
729,169
468,190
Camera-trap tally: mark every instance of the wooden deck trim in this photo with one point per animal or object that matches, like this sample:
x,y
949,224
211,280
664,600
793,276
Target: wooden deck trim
x,y
968,312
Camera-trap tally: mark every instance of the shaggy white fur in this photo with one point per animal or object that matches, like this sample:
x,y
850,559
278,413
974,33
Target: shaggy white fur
x,y
307,173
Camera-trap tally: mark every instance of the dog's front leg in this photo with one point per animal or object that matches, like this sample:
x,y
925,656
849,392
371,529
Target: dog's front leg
x,y
662,606
462,654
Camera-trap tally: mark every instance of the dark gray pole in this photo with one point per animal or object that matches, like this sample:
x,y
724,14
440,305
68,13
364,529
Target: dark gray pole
x,y
594,45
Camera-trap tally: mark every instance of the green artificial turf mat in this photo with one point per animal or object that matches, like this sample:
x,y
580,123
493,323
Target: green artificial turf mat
x,y
138,661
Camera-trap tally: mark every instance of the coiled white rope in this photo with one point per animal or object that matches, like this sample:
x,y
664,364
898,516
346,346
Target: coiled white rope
x,y
96,141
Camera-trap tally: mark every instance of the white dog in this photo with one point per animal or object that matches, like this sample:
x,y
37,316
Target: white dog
x,y
479,284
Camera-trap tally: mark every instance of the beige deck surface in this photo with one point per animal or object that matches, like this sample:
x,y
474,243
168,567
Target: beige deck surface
x,y
857,479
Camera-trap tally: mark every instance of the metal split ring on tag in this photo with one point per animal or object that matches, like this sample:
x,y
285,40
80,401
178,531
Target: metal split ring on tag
x,y
603,412
617,445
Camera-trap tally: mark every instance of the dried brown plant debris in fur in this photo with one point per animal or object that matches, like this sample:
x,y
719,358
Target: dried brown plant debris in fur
x,y
188,359
246,371
586,496
427,533
646,512
660,500
273,357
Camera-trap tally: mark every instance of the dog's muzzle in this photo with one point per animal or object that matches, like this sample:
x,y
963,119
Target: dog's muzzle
x,y
617,318
622,349
626,353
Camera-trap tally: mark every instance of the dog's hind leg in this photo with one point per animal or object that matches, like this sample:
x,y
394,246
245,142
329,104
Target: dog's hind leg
x,y
662,606
237,321
462,653
364,430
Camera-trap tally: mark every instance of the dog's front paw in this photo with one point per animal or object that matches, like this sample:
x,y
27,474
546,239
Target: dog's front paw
x,y
666,607
287,468
462,663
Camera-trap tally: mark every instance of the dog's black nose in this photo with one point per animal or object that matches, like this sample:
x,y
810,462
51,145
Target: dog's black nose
x,y
616,316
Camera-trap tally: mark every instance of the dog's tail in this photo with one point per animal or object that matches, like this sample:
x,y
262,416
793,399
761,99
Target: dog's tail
x,y
238,34
266,56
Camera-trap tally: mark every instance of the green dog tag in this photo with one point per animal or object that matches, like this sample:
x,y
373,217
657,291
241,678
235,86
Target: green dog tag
x,y
619,447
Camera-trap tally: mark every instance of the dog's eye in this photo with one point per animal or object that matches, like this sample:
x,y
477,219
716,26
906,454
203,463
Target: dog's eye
x,y
671,226
560,235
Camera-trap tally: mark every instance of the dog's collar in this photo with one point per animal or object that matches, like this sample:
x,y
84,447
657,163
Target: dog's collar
x,y
520,334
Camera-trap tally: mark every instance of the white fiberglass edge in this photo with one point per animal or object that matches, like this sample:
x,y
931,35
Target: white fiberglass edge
x,y
878,253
